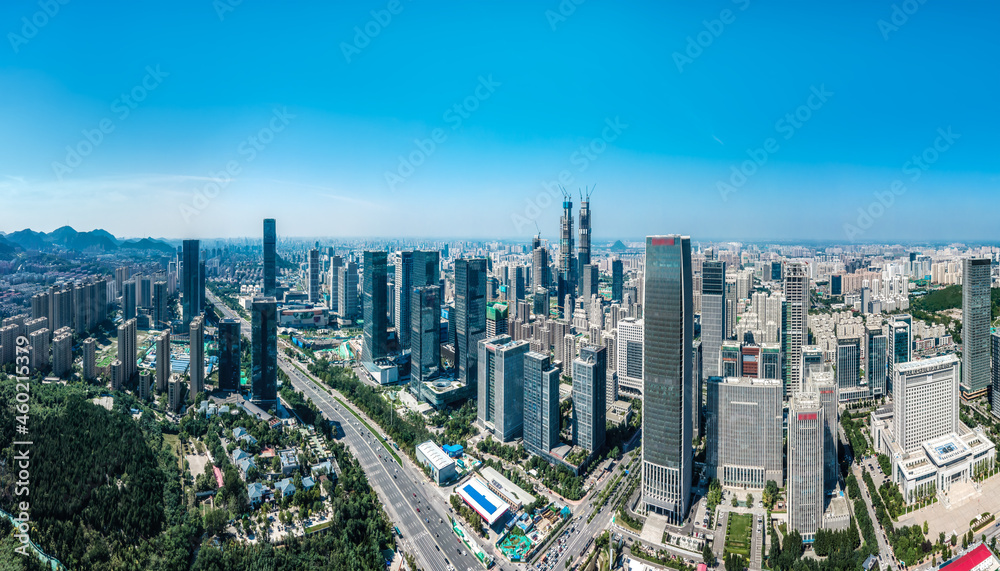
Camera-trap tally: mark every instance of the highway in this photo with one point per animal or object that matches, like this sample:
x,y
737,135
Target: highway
x,y
426,534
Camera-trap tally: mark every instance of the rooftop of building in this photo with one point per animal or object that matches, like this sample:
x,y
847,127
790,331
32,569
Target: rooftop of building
x,y
939,361
435,455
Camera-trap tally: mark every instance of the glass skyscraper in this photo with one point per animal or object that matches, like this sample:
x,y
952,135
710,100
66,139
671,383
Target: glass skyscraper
x,y
264,350
270,257
976,316
713,314
229,355
374,306
470,318
667,375
192,281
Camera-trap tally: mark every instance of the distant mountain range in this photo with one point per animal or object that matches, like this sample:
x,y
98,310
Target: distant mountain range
x,y
69,239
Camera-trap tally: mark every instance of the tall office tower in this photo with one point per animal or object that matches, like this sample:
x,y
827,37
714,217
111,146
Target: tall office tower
x,y
8,343
629,360
201,286
175,394
821,380
849,370
89,359
159,305
796,331
878,361
128,300
162,361
729,328
517,283
540,268
127,348
375,311
743,425
589,397
347,293
197,366
496,319
404,291
191,281
500,400
62,353
806,441
172,277
541,403
264,350
470,318
425,334
583,251
313,284
899,332
975,327
540,303
117,375
713,314
926,397
145,292
994,396
145,382
38,341
617,280
610,344
270,258
335,263
567,275
667,377
589,280
229,355
426,269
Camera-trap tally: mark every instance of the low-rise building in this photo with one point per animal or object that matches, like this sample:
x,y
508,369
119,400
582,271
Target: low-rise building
x,y
442,466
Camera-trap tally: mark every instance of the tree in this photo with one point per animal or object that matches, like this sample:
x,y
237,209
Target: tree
x,y
954,540
771,493
708,556
926,528
749,500
735,502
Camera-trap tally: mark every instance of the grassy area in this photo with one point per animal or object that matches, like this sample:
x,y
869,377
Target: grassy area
x,y
376,433
738,534
174,441
318,527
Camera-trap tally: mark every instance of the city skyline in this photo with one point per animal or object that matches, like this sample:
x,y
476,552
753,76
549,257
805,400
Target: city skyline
x,y
302,125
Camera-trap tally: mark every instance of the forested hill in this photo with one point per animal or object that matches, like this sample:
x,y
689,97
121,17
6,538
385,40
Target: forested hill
x,y
106,495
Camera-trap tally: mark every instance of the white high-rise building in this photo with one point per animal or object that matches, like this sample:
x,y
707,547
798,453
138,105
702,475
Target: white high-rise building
x,y
926,398
629,358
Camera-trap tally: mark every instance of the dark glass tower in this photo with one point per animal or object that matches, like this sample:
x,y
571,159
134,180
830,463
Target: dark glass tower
x,y
667,387
566,273
270,257
229,355
425,334
713,314
264,350
374,306
617,280
583,253
191,282
470,318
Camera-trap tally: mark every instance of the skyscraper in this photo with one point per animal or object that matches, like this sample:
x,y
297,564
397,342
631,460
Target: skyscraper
x,y
500,387
313,275
878,361
900,332
335,263
374,304
540,268
264,350
975,326
849,370
62,352
470,318
404,291
713,314
995,395
567,275
191,281
629,362
89,359
541,404
197,366
805,463
926,400
229,355
425,334
617,280
589,280
496,319
270,257
128,300
667,338
744,431
159,305
589,397
583,254
162,361
127,341
347,293
796,330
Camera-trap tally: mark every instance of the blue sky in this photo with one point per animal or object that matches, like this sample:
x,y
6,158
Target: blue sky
x,y
312,118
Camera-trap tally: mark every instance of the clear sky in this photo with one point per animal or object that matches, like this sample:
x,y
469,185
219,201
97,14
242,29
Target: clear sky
x,y
314,108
